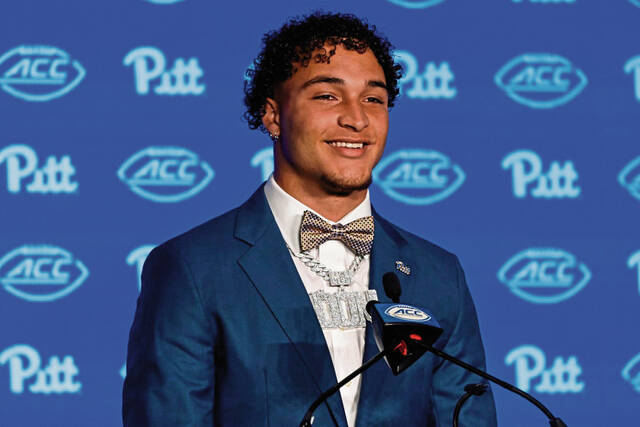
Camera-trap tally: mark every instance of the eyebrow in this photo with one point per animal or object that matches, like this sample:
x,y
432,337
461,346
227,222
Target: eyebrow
x,y
338,81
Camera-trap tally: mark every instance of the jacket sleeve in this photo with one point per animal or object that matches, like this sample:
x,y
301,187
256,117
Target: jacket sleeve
x,y
449,380
170,369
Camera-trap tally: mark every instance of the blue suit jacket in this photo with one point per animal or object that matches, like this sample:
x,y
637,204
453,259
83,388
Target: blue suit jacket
x,y
224,334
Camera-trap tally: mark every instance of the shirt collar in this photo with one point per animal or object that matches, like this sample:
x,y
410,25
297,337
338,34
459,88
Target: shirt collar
x,y
288,212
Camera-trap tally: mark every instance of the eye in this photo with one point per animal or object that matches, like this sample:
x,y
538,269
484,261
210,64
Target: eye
x,y
325,96
374,100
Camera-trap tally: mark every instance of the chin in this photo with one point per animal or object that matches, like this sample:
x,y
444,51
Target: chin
x,y
341,186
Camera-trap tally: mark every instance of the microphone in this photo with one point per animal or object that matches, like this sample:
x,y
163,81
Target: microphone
x,y
392,332
413,331
391,286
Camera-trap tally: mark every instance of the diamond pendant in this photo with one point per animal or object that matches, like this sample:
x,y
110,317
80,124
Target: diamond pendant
x,y
339,278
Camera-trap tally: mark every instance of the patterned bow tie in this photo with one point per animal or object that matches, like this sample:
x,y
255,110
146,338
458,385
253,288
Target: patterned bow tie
x,y
357,235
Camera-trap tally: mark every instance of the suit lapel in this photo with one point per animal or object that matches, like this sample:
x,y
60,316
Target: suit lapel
x,y
388,247
271,270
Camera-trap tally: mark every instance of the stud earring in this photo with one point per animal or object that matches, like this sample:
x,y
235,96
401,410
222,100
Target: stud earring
x,y
274,136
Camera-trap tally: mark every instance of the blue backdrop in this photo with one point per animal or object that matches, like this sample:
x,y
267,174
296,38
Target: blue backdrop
x,y
514,144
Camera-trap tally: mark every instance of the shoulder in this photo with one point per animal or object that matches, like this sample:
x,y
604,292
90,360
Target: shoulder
x,y
420,247
204,242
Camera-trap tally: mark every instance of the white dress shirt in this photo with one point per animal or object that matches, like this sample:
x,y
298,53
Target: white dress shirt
x,y
346,346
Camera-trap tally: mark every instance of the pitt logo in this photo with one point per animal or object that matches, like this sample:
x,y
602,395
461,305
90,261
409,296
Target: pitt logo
x,y
629,177
634,261
633,67
41,273
407,312
530,363
39,73
540,80
526,167
165,174
22,163
263,160
137,257
544,275
418,177
433,83
416,4
631,372
150,63
24,363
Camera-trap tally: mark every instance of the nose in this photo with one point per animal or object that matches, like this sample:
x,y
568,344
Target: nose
x,y
353,116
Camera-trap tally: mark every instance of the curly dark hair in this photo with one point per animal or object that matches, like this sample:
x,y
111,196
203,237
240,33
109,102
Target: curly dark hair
x,y
295,44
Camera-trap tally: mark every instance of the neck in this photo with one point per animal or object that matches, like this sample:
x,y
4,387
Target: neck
x,y
331,206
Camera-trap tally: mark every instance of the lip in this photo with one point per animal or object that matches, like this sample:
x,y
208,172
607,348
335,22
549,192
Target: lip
x,y
351,153
350,140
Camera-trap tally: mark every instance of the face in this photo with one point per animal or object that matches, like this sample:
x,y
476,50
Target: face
x,y
332,119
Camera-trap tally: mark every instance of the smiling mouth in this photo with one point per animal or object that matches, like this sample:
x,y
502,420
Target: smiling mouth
x,y
345,144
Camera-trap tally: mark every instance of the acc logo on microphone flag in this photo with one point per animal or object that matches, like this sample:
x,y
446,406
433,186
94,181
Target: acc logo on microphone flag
x,y
39,73
544,275
165,174
541,80
418,177
40,273
629,177
416,4
407,312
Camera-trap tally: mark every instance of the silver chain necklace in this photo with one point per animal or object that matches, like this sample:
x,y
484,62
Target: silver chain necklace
x,y
334,278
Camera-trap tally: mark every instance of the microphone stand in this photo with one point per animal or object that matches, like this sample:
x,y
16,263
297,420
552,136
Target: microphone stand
x,y
306,421
471,390
553,421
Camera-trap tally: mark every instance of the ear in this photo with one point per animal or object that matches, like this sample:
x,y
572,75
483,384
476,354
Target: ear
x,y
271,116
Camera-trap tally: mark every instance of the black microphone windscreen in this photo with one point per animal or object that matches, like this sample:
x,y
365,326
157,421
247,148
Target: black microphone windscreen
x,y
391,285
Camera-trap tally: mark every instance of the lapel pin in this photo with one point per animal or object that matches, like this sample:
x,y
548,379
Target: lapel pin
x,y
402,267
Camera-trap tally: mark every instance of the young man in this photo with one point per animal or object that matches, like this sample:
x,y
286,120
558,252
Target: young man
x,y
240,320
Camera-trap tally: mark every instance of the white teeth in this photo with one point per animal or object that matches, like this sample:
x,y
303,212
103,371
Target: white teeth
x,y
347,144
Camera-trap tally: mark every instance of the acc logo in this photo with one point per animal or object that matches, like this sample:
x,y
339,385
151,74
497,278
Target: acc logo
x,y
39,73
634,261
53,177
544,275
629,177
149,64
406,312
41,273
526,168
263,159
433,83
416,4
24,363
165,174
541,80
631,372
530,363
418,177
